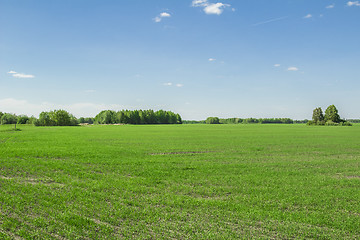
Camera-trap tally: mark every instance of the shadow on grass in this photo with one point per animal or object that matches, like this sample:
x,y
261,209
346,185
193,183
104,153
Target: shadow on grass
x,y
11,130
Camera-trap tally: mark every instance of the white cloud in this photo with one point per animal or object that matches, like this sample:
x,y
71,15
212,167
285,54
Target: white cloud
x,y
211,59
20,75
215,8
308,16
293,69
211,8
162,15
157,19
167,84
179,85
165,14
277,65
330,6
355,3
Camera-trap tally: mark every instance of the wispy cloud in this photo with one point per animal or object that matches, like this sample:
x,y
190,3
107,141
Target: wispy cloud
x,y
90,91
354,3
199,3
330,6
161,16
308,16
169,84
294,69
20,75
211,8
157,19
211,59
277,65
270,20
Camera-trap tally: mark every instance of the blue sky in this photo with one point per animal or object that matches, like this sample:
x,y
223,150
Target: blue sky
x,y
198,58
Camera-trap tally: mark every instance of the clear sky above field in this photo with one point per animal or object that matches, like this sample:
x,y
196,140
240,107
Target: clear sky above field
x,y
199,58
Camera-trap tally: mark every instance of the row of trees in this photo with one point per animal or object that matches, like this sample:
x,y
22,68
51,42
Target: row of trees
x,y
137,117
331,117
215,120
64,118
9,118
56,118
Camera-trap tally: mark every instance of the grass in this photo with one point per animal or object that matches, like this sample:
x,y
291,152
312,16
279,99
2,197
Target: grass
x,y
180,182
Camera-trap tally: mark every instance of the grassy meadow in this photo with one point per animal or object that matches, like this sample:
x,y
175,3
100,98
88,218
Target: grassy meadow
x,y
180,182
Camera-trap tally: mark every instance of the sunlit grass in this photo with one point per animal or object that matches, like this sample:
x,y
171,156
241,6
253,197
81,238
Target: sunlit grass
x,y
180,181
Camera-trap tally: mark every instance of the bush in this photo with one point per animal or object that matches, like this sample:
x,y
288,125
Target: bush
x,y
345,123
331,123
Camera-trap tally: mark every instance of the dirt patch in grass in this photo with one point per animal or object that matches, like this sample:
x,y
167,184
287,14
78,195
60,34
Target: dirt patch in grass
x,y
34,181
7,178
179,153
48,182
352,177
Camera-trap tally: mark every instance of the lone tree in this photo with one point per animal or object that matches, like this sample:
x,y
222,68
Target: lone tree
x,y
318,115
331,114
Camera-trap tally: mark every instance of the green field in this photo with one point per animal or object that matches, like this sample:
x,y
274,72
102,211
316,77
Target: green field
x,y
180,182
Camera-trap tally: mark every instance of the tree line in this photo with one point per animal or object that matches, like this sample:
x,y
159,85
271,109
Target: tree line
x,y
9,118
137,117
64,118
216,120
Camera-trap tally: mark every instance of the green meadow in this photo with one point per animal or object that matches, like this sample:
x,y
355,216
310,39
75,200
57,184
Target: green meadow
x,y
180,182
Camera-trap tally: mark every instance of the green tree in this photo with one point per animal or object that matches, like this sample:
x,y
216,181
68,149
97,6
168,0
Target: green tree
x,y
56,118
8,118
22,119
331,114
318,116
178,119
61,118
106,117
212,120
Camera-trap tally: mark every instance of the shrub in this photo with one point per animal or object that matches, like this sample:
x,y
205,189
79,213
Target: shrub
x,y
345,123
331,123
